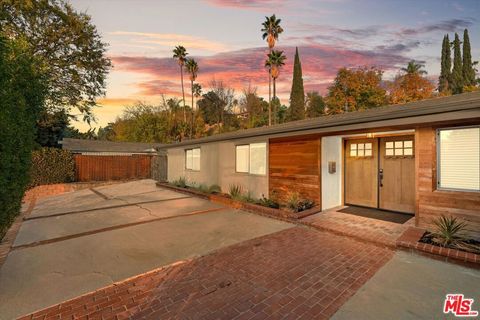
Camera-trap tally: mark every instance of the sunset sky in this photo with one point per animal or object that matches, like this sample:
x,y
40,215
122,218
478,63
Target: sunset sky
x,y
224,37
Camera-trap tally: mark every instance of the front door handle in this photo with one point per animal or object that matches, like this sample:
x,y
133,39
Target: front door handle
x,y
380,176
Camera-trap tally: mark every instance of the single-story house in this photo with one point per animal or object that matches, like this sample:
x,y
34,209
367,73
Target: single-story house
x,y
97,160
420,158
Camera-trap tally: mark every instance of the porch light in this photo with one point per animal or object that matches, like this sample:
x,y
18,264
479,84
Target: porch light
x,y
370,135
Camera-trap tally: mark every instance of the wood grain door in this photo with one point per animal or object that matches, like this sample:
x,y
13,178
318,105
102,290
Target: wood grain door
x,y
361,172
397,174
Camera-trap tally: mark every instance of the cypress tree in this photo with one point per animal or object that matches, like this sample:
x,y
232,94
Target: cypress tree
x,y
468,70
444,81
297,95
457,71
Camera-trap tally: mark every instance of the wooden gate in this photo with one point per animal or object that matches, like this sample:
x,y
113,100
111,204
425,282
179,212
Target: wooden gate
x,y
104,168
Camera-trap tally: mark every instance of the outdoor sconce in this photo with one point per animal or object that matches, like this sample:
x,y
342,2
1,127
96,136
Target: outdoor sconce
x,y
332,167
370,135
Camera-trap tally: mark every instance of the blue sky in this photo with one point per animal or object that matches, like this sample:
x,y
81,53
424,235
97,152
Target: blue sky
x,y
224,36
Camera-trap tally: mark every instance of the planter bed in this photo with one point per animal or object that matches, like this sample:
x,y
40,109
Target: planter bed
x,y
411,239
247,206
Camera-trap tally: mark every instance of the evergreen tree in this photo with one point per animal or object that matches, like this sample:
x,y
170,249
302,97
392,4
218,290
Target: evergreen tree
x,y
457,71
297,95
468,70
446,66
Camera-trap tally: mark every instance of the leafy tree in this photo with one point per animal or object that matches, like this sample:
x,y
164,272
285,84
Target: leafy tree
x,y
275,60
74,133
71,52
227,95
211,107
445,79
457,71
356,89
22,94
468,66
180,54
51,128
254,107
315,105
410,87
106,133
297,95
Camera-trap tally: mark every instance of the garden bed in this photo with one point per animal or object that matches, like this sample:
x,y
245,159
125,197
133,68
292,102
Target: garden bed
x,y
237,204
412,239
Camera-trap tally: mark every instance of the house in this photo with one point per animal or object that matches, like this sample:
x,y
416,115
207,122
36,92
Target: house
x,y
97,160
420,158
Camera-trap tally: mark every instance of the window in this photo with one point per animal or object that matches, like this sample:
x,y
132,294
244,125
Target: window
x,y
361,150
399,148
192,159
459,158
242,158
251,158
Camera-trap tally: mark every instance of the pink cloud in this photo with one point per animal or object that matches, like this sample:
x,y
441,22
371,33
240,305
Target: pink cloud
x,y
241,68
259,4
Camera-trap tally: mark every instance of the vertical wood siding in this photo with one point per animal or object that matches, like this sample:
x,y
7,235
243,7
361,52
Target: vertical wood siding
x,y
103,168
294,166
432,203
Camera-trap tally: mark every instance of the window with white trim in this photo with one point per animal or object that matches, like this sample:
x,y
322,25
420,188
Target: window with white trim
x,y
192,159
251,158
459,158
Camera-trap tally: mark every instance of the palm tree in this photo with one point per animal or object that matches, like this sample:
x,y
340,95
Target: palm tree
x,y
180,54
275,60
414,68
192,68
197,92
271,29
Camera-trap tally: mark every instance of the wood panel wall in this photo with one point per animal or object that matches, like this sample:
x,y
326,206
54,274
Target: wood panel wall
x,y
294,166
104,168
432,203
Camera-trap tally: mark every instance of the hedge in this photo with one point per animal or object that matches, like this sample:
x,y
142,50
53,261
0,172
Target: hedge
x,y
51,165
21,100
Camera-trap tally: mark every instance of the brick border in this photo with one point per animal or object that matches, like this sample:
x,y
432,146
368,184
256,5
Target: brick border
x,y
250,207
410,240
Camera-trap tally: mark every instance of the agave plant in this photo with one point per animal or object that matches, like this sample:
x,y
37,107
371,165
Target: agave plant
x,y
448,231
235,191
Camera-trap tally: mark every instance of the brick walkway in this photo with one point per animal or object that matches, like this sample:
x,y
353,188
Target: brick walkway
x,y
298,273
366,229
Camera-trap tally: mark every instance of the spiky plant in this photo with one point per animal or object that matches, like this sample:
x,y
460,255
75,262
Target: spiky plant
x,y
448,231
235,191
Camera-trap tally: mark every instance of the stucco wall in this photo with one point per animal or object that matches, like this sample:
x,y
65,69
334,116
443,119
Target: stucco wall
x,y
217,166
331,183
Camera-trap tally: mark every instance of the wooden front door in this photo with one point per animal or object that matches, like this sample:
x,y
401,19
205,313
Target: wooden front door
x,y
397,174
361,172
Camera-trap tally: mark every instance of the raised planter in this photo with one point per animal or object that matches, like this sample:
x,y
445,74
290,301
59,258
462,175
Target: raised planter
x,y
252,207
410,239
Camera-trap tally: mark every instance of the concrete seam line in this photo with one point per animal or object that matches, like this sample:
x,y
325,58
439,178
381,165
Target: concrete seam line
x,y
121,226
98,193
103,208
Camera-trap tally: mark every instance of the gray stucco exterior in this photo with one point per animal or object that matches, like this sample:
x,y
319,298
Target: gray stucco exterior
x,y
217,166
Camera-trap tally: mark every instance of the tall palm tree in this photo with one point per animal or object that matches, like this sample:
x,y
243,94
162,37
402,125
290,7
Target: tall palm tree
x,y
180,54
275,60
192,68
414,68
197,92
271,29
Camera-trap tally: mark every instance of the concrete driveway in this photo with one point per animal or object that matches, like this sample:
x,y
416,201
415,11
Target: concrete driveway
x,y
78,242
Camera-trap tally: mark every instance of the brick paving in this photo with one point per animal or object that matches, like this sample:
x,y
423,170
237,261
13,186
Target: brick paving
x,y
298,273
365,229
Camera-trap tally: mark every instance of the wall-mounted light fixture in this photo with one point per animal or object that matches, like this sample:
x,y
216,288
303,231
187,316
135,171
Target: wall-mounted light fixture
x,y
370,135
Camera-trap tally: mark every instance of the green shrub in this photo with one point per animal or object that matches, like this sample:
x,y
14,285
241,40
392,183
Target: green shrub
x,y
296,204
181,182
203,188
235,191
270,203
215,188
21,100
247,197
51,165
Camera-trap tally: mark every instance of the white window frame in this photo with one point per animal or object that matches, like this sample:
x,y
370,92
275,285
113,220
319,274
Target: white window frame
x,y
192,150
249,171
438,169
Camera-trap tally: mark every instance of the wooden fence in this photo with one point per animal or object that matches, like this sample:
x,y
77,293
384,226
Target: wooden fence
x,y
104,168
